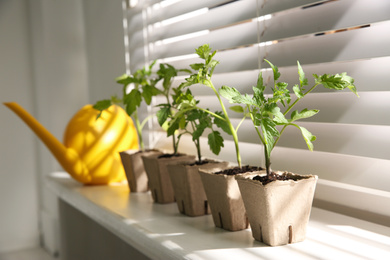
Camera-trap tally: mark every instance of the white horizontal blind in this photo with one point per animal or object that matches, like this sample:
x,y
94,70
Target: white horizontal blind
x,y
352,150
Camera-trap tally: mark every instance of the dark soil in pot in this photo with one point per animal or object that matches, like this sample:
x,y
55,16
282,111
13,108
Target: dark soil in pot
x,y
238,170
276,177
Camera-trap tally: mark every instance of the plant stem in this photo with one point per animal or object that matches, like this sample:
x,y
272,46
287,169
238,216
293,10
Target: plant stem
x,y
267,161
267,158
146,120
239,124
232,130
139,129
296,101
197,144
211,113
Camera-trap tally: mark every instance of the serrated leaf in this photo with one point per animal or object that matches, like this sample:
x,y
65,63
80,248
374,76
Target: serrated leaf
x,y
102,104
194,115
203,51
215,142
274,69
256,119
182,122
309,137
163,114
305,113
125,79
302,78
269,132
193,79
148,92
268,126
237,109
197,66
332,81
271,109
349,82
116,100
281,93
132,101
244,99
199,130
212,65
353,89
222,123
229,93
260,84
172,127
298,92
280,119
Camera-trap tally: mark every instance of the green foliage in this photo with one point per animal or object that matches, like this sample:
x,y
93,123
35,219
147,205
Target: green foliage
x,y
167,114
102,105
266,114
143,83
187,118
203,75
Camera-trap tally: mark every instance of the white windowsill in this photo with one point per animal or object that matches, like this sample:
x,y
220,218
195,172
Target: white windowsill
x,y
160,232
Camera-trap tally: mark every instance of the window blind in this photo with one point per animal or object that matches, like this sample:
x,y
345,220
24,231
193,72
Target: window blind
x,y
352,151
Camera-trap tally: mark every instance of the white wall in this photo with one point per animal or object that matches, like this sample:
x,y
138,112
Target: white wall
x,y
18,160
105,47
55,57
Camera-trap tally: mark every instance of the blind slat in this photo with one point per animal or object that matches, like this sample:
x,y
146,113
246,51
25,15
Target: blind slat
x,y
326,37
339,15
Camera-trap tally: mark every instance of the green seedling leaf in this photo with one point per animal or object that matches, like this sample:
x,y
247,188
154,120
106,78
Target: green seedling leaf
x,y
269,126
132,101
102,105
116,100
269,132
309,137
197,66
212,65
125,79
203,51
172,127
275,70
298,92
163,114
337,82
281,93
237,109
302,79
280,119
229,93
215,142
148,92
223,124
199,130
305,113
260,84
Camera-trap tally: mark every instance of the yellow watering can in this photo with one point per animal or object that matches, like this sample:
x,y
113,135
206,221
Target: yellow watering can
x,y
90,153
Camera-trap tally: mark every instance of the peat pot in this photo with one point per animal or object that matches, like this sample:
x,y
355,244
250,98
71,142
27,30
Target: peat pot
x,y
224,198
279,211
134,169
156,167
188,188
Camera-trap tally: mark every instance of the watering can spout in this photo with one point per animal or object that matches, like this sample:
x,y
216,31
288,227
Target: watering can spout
x,y
67,157
90,152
